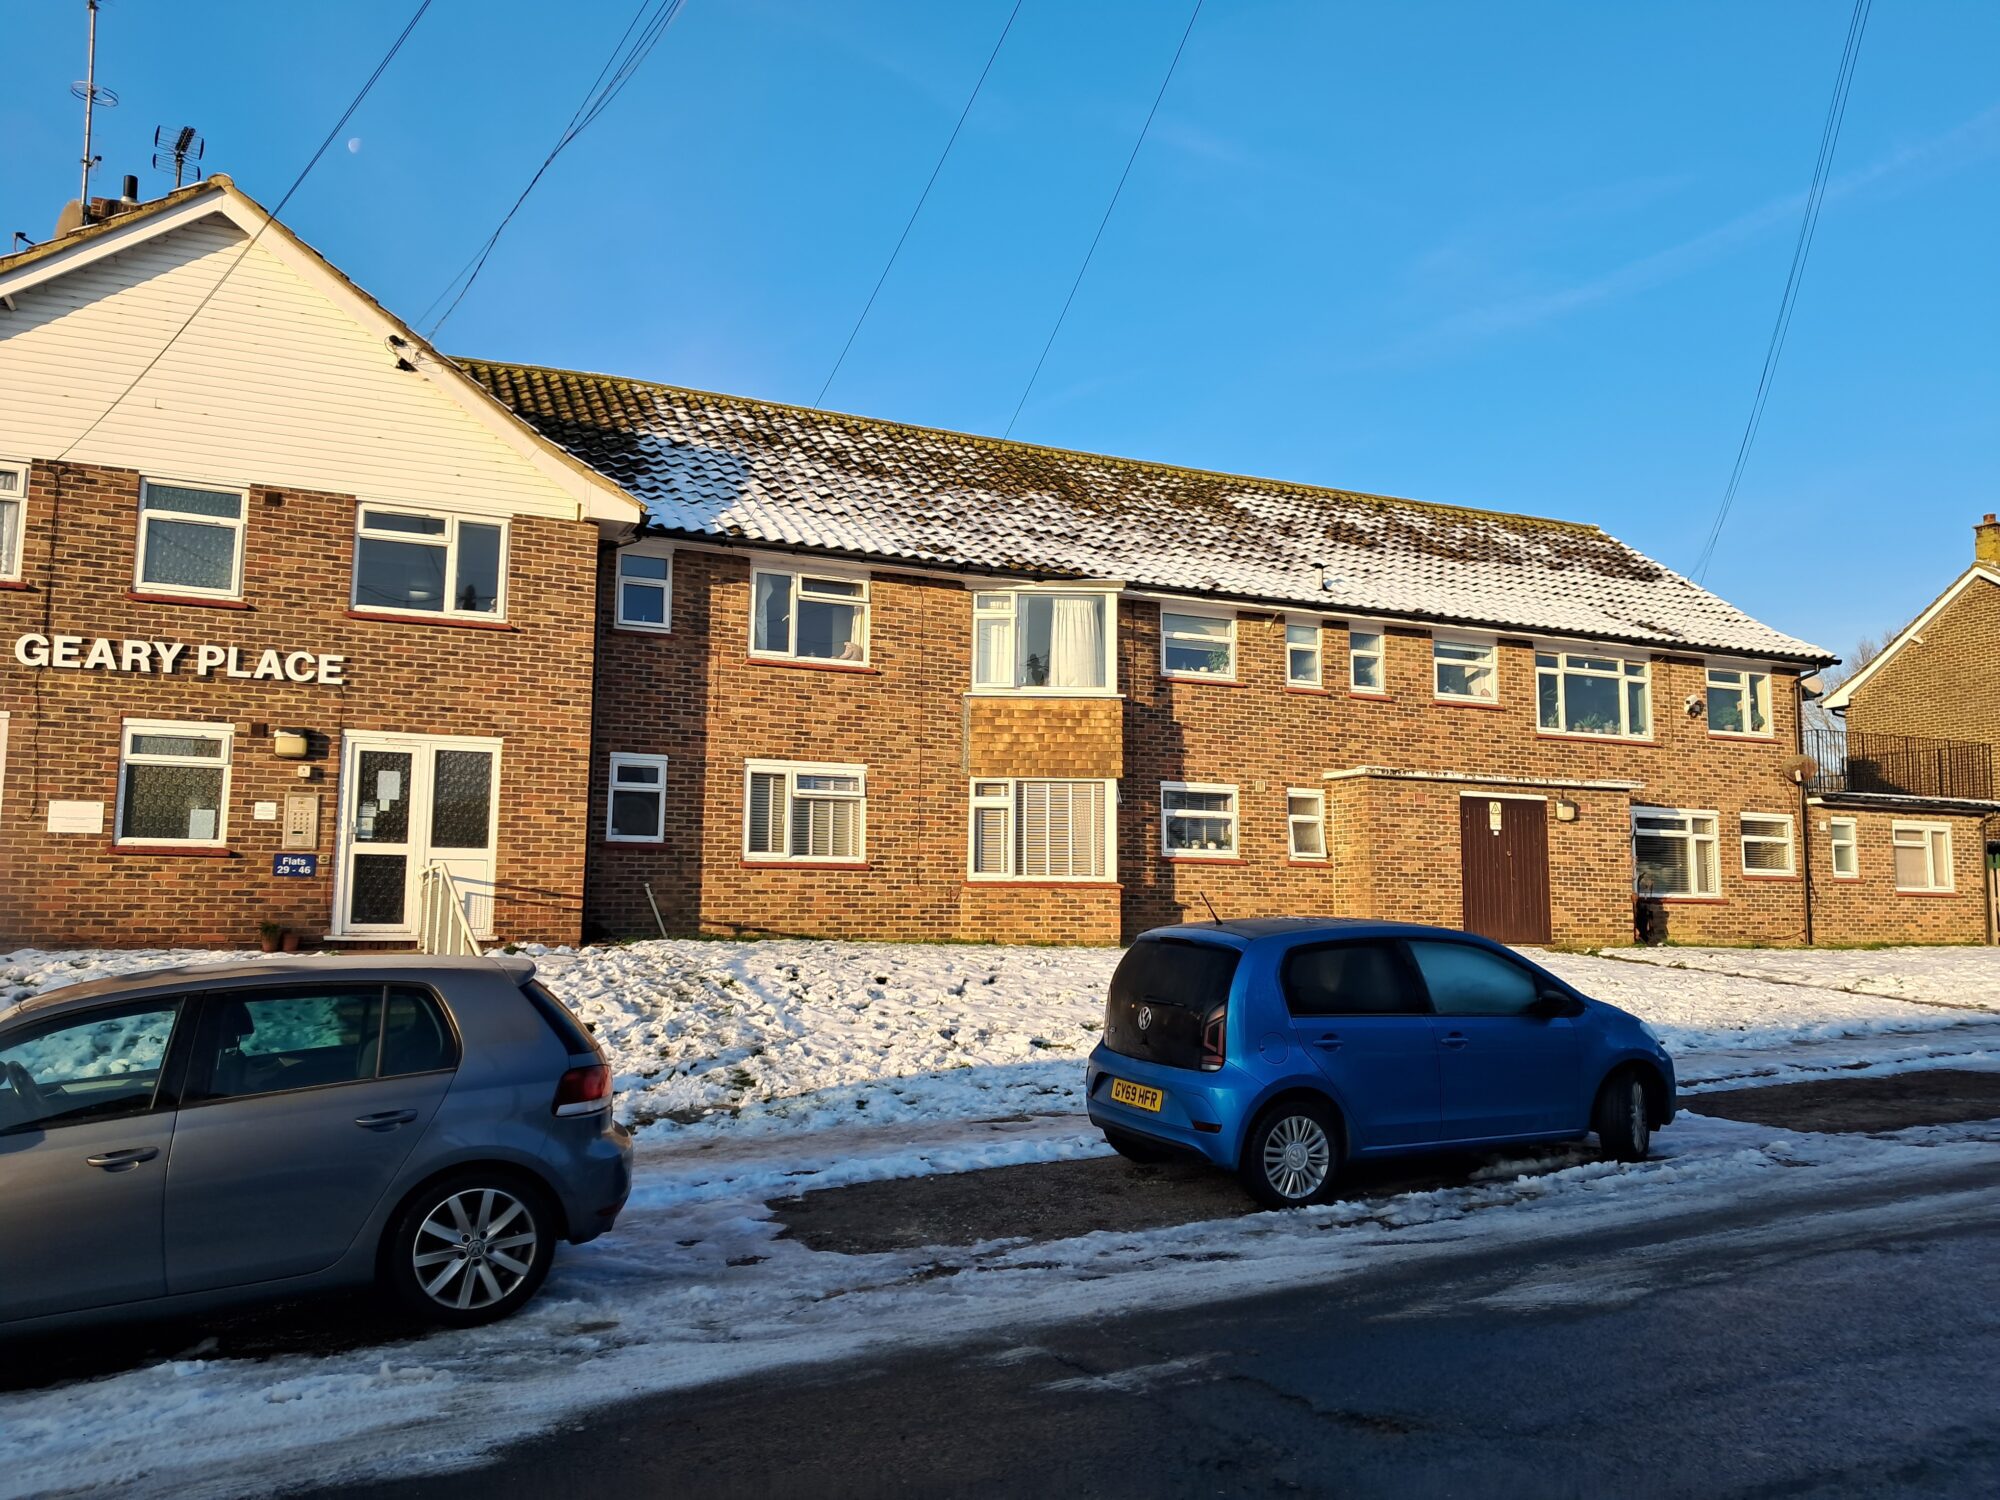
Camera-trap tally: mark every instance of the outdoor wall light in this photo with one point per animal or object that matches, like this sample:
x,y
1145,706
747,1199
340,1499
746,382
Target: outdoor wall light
x,y
1565,810
290,744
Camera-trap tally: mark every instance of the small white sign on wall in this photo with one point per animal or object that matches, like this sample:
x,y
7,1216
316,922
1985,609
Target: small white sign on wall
x,y
264,812
76,817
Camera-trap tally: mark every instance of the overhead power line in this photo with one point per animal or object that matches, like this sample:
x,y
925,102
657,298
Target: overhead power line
x,y
1829,141
922,198
641,35
270,214
1108,208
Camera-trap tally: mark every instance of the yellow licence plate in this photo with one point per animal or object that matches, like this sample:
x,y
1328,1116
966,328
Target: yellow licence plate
x,y
1136,1094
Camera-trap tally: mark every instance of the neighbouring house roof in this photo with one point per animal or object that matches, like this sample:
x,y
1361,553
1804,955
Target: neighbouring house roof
x,y
1838,700
729,469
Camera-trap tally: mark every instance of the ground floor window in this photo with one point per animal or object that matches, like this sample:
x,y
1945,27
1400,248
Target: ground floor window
x,y
13,495
1305,818
1198,820
1845,846
1041,830
1674,852
173,783
637,811
802,812
1767,844
1923,856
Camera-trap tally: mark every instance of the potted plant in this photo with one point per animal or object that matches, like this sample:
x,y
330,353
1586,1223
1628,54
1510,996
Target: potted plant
x,y
288,942
269,935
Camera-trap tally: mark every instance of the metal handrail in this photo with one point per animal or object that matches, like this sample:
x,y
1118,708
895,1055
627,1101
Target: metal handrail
x,y
442,926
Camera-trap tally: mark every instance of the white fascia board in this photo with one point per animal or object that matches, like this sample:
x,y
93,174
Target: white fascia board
x,y
1840,697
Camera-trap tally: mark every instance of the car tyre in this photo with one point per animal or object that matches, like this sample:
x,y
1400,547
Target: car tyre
x,y
1291,1156
471,1248
1622,1117
1137,1149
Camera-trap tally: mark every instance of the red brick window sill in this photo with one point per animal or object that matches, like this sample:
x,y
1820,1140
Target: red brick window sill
x,y
1368,696
1595,739
1745,739
1204,859
1688,900
443,620
802,866
854,668
176,851
1310,692
187,599
1044,885
1464,703
16,583
1235,682
1947,894
1768,878
1310,864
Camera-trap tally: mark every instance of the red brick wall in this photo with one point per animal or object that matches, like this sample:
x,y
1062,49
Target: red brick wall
x,y
529,684
1945,686
1869,908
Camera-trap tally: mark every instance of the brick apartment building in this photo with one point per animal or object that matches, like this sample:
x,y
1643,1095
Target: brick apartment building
x,y
704,663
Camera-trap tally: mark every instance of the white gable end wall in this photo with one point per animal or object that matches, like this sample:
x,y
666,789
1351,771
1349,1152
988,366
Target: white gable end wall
x,y
272,384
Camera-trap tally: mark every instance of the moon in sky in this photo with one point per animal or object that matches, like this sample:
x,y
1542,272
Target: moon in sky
x,y
354,145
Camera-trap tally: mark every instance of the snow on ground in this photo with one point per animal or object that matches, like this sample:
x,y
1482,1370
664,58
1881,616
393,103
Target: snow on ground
x,y
1942,976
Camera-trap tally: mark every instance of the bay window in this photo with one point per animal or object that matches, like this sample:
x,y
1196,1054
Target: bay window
x,y
1923,856
1578,692
645,589
1198,645
190,541
173,783
1767,844
809,616
636,807
1739,702
1674,852
426,562
1305,820
1465,670
1197,820
1364,661
1302,653
1047,640
798,812
1041,830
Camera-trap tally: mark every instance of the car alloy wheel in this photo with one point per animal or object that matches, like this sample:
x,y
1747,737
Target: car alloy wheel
x,y
475,1249
1297,1157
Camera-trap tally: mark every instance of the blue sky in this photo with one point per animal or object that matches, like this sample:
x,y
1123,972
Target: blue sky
x,y
1523,256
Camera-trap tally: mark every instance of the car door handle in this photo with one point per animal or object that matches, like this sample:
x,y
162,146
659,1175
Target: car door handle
x,y
123,1161
389,1119
1452,1039
1328,1043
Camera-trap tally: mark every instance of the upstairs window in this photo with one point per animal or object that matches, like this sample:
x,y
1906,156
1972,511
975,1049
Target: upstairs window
x,y
1197,821
1041,830
13,503
645,589
1842,839
1739,702
1305,818
1674,852
1302,653
1767,844
418,562
802,813
1364,661
1923,856
1465,671
1198,645
173,783
190,541
636,812
1041,640
809,617
1578,693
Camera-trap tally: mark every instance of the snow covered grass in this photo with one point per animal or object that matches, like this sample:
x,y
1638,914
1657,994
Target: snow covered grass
x,y
1942,976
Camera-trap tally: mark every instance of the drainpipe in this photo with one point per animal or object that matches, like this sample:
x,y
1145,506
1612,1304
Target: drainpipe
x,y
1805,811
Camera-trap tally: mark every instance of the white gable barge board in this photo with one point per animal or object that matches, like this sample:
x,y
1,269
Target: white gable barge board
x,y
1837,700
286,377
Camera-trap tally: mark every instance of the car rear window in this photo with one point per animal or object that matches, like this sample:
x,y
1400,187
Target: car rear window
x,y
1175,988
575,1039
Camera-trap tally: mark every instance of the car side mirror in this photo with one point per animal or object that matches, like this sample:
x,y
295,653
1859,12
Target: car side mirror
x,y
1551,1004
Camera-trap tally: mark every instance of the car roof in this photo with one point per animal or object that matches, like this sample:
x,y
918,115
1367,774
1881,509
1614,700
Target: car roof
x,y
1241,932
344,967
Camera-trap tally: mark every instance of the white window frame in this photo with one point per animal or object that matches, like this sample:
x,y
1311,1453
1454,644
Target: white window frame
x,y
1918,835
1317,646
192,729
990,613
239,527
1318,820
1568,662
1233,817
1378,653
619,760
1710,842
1750,680
1487,647
1168,635
11,558
791,770
449,541
1745,838
800,581
665,624
1009,798
1844,833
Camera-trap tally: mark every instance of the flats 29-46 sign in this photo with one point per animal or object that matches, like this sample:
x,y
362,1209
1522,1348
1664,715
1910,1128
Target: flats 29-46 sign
x,y
79,653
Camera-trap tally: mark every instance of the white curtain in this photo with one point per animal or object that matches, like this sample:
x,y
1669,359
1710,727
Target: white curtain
x,y
1076,644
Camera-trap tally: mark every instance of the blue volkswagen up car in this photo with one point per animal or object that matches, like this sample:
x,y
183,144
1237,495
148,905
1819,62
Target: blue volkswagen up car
x,y
1280,1047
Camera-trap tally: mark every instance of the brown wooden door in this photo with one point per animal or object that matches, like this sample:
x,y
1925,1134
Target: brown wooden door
x,y
1504,845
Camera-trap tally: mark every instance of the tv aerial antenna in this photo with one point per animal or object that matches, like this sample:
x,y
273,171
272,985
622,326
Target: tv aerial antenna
x,y
86,88
174,149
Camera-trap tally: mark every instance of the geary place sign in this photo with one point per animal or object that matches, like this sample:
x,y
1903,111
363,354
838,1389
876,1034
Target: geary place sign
x,y
80,653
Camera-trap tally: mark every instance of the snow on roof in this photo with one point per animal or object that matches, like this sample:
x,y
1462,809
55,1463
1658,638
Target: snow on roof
x,y
732,469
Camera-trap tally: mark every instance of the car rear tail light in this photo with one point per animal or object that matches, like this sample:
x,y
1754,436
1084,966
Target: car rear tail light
x,y
1212,1052
584,1091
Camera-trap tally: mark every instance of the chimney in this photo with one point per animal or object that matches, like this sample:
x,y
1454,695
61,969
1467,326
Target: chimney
x,y
1986,541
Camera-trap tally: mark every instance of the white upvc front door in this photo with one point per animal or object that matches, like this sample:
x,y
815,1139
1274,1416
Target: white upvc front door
x,y
408,801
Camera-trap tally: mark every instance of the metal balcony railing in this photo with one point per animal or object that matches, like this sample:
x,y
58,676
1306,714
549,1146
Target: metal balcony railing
x,y
1853,760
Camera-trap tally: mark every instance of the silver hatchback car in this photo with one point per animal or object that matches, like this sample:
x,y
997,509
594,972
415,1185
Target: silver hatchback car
x,y
191,1136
